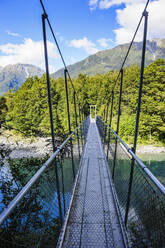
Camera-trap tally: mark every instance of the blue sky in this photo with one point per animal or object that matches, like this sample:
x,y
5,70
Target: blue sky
x,y
82,27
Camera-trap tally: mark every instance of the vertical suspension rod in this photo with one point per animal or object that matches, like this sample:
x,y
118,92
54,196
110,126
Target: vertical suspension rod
x,y
118,122
75,110
69,124
107,112
145,15
105,133
48,81
110,123
81,126
44,17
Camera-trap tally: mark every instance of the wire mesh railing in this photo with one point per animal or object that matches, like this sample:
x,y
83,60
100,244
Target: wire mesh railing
x,y
35,216
144,219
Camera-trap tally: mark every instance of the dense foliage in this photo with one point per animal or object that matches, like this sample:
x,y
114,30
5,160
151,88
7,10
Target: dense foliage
x,y
27,109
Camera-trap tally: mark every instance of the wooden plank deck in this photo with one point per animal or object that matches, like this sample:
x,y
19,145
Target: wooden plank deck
x,y
93,219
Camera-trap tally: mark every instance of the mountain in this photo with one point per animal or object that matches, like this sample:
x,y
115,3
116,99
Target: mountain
x,y
12,76
112,59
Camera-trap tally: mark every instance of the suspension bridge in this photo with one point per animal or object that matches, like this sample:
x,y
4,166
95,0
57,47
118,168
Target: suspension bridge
x,y
93,191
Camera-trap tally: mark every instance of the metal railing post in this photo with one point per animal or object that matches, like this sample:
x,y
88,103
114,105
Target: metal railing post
x,y
106,118
83,115
90,113
79,112
44,16
118,122
95,112
69,124
110,123
62,177
104,115
75,110
107,112
80,127
145,14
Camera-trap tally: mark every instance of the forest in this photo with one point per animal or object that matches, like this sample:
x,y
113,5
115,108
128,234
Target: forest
x,y
26,110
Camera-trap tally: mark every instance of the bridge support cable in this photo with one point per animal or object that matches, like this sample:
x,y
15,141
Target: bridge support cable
x,y
75,109
104,115
63,184
106,118
110,122
69,123
118,122
58,48
126,56
107,112
44,17
80,119
145,15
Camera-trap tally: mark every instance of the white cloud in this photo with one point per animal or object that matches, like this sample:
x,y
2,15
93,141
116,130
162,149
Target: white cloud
x,y
105,4
12,33
156,19
129,17
85,44
104,42
29,52
93,4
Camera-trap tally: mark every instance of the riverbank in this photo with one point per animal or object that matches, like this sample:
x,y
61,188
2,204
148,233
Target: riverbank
x,y
150,149
40,147
29,147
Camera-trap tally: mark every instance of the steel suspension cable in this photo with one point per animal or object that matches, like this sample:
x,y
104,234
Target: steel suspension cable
x,y
129,49
58,47
131,42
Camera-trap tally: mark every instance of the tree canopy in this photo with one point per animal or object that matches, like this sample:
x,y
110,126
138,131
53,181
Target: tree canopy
x,y
27,109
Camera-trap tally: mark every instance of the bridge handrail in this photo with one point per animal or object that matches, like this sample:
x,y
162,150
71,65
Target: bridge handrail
x,y
158,184
36,176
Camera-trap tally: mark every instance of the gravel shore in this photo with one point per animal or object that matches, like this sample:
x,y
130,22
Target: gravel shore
x,y
40,147
150,149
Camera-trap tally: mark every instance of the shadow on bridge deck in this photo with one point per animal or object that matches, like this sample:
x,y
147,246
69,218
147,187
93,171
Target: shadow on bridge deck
x,y
93,220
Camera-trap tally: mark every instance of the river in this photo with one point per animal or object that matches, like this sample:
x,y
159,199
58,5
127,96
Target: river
x,y
156,164
14,176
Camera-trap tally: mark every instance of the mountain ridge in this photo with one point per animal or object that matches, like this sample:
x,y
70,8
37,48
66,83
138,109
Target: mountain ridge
x,y
111,59
12,76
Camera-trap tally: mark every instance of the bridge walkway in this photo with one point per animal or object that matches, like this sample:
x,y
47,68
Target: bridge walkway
x,y
93,220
